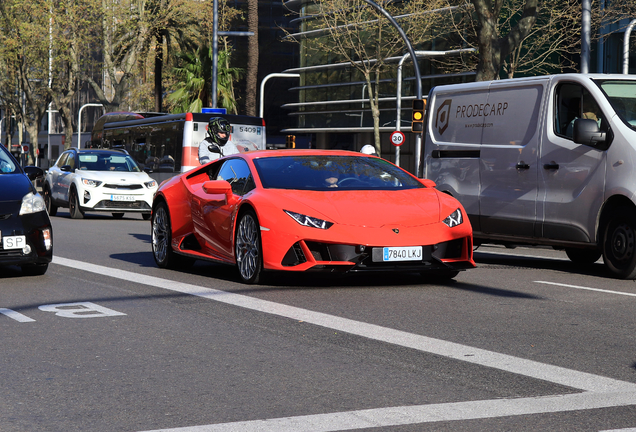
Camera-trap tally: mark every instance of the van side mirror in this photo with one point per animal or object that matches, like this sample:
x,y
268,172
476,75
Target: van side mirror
x,y
587,132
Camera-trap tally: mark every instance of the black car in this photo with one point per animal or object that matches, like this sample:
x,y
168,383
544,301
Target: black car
x,y
26,235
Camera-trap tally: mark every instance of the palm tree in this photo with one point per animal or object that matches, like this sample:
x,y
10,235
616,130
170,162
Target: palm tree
x,y
193,92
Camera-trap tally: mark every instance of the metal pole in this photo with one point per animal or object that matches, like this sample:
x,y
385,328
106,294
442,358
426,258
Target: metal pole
x,y
79,122
215,51
628,32
418,78
585,35
50,114
398,116
272,75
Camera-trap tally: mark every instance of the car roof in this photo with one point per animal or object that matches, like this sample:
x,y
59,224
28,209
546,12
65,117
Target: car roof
x,y
101,151
301,152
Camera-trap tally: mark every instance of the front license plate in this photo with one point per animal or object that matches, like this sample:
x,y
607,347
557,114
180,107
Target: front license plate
x,y
408,253
122,198
13,242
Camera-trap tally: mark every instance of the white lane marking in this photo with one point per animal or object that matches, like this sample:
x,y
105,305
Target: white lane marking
x,y
605,391
587,288
517,365
15,315
408,415
621,430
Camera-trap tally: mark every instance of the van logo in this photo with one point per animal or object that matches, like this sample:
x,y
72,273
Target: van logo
x,y
443,116
395,230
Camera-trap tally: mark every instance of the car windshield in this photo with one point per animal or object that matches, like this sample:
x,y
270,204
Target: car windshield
x,y
622,95
7,164
107,162
329,172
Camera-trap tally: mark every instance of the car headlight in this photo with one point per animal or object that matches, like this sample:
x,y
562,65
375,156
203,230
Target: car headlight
x,y
32,203
309,221
454,219
91,182
151,184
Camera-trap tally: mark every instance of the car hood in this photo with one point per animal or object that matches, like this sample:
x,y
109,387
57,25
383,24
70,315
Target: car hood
x,y
115,176
376,208
13,187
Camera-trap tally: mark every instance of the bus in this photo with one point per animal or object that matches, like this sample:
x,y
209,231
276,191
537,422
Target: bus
x,y
168,144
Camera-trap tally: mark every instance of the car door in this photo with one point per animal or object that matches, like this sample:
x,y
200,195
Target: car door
x,y
54,176
509,159
572,176
66,176
217,213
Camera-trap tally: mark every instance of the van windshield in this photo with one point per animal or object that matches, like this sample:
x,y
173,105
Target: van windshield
x,y
622,96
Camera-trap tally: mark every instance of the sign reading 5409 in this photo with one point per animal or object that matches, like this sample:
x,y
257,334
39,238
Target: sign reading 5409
x,y
250,129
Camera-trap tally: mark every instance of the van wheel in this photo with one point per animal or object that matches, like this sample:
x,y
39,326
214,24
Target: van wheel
x,y
619,243
583,256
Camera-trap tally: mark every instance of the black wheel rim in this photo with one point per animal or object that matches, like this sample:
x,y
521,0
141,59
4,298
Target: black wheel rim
x,y
622,244
247,247
160,234
72,203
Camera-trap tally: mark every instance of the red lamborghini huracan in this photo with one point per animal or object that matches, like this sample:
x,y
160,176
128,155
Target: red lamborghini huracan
x,y
309,210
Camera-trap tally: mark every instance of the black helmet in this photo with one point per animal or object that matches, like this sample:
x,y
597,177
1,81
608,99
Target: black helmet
x,y
216,125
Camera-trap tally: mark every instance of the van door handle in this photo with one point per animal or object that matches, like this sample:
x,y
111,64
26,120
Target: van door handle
x,y
522,166
551,166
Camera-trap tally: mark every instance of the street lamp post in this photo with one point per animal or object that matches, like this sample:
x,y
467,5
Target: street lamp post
x,y
272,75
79,122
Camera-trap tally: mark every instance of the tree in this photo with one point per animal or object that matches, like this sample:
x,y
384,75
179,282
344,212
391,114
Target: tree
x,y
252,58
529,37
194,90
25,53
356,33
73,44
493,47
125,31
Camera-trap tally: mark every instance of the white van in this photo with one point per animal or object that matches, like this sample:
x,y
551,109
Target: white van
x,y
532,164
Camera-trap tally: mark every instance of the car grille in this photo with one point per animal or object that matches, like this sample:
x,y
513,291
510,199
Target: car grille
x,y
123,187
363,260
117,205
10,253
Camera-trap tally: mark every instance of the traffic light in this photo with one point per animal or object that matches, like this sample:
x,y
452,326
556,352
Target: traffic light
x,y
291,141
417,118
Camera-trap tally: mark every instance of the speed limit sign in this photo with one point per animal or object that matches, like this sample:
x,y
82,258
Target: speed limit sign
x,y
397,138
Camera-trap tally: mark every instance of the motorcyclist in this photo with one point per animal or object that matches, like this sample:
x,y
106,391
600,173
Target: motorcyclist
x,y
217,144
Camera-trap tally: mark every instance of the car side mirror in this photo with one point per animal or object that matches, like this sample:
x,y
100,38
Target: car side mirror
x,y
33,172
587,132
66,168
214,187
428,183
